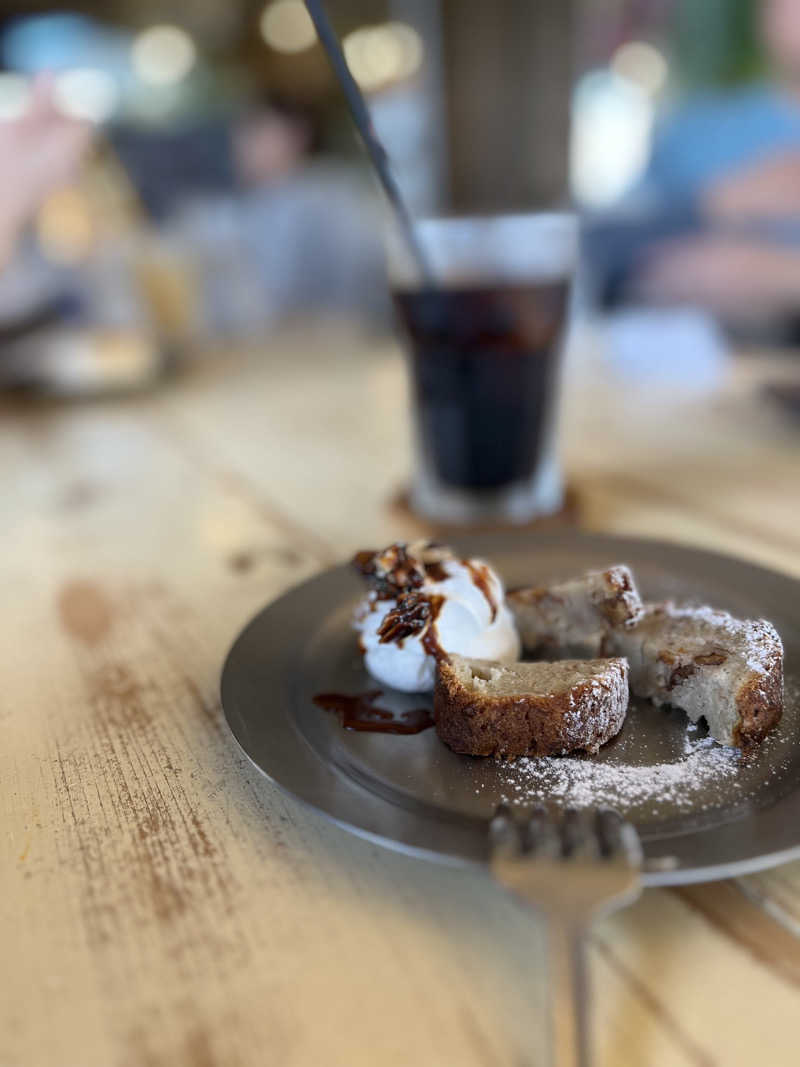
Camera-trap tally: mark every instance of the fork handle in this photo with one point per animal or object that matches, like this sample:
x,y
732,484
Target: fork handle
x,y
569,999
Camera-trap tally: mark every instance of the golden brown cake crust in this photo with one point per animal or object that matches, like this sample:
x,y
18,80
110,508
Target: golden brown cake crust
x,y
759,702
581,717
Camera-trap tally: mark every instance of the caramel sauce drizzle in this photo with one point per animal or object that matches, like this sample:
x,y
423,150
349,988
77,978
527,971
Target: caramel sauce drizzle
x,y
360,712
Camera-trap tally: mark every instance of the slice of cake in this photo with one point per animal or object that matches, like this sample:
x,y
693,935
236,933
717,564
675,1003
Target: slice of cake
x,y
709,664
484,708
576,617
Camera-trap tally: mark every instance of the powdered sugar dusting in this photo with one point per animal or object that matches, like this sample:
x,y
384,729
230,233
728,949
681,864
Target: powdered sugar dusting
x,y
753,640
584,783
697,776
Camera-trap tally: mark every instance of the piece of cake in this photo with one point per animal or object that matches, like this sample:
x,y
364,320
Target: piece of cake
x,y
485,708
576,617
709,664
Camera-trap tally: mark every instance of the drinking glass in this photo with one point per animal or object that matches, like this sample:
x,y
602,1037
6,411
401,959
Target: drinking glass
x,y
485,345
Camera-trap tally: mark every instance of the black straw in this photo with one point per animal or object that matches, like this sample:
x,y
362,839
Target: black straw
x,y
375,150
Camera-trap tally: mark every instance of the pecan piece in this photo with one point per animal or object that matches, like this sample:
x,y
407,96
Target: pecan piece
x,y
391,572
411,616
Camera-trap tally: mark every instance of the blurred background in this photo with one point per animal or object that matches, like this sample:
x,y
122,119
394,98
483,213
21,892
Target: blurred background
x,y
197,179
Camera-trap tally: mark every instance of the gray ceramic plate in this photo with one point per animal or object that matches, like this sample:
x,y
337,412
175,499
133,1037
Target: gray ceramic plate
x,y
702,811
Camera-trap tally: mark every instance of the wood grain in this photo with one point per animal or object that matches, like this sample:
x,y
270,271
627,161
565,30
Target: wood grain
x,y
161,903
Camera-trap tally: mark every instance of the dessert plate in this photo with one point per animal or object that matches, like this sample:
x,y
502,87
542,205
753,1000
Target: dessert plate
x,y
703,811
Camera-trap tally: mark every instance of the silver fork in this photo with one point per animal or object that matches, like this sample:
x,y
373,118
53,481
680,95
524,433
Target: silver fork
x,y
572,873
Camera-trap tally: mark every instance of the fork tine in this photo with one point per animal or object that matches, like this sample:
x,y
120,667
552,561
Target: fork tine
x,y
537,862
618,838
504,835
540,836
631,845
609,826
578,837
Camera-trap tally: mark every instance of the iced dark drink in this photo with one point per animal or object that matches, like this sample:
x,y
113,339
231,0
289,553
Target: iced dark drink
x,y
484,350
484,362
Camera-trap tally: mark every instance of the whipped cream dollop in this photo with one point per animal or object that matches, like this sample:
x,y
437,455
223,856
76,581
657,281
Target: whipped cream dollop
x,y
424,602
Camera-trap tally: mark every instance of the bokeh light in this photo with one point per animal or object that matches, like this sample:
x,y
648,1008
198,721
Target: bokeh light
x,y
380,55
87,94
641,64
612,125
286,26
163,55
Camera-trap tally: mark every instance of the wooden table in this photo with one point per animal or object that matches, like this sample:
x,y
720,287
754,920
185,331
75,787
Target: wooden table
x,y
162,903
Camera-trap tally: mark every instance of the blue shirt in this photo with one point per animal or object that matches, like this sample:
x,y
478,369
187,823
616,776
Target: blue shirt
x,y
713,136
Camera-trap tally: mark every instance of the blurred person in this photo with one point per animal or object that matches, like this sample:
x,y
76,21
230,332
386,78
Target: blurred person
x,y
42,169
722,225
39,152
298,234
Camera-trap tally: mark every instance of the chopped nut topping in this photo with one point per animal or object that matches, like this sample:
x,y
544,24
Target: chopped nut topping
x,y
390,572
436,572
400,568
411,616
431,551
